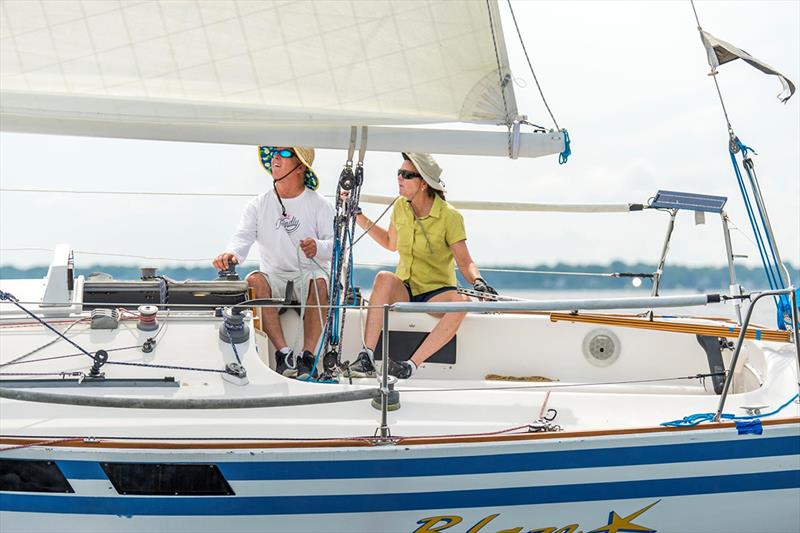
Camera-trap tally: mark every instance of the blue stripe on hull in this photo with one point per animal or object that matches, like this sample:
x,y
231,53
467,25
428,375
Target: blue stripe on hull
x,y
362,503
484,464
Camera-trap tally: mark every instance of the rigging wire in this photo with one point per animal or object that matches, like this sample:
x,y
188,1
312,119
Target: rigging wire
x,y
66,356
375,222
762,230
13,300
713,75
504,80
530,65
132,193
551,385
42,347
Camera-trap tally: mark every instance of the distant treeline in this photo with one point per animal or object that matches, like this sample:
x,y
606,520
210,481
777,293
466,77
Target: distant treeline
x,y
674,277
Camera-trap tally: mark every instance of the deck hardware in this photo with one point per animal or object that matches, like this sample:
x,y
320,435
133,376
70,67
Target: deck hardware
x,y
104,318
754,298
100,358
228,274
384,441
386,397
233,329
149,345
726,344
753,409
545,423
394,397
235,373
81,381
147,318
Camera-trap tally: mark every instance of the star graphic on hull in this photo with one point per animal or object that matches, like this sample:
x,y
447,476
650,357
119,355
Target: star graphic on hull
x,y
618,524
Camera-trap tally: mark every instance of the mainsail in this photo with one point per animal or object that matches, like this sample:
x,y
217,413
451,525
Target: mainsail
x,y
235,71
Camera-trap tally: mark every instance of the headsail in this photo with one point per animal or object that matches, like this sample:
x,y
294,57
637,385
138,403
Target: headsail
x,y
99,67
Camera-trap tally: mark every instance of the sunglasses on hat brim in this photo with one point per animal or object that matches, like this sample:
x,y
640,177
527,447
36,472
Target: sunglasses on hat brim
x,y
407,174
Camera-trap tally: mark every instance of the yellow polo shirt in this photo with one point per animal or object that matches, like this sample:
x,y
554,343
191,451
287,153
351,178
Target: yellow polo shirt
x,y
423,266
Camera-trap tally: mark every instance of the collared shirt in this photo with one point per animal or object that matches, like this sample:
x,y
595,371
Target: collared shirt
x,y
426,261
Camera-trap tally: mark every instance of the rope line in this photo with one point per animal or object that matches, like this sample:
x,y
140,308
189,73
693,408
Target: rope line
x,y
699,418
137,346
530,65
503,81
499,72
374,223
13,300
549,385
42,347
133,193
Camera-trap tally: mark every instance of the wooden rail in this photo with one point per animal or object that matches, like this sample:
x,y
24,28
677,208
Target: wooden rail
x,y
675,327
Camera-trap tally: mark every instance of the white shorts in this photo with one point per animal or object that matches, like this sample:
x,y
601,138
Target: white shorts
x,y
302,281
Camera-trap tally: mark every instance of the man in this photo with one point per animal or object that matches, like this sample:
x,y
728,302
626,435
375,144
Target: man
x,y
293,227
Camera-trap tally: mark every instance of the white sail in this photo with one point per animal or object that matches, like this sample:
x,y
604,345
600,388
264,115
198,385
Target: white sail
x,y
97,67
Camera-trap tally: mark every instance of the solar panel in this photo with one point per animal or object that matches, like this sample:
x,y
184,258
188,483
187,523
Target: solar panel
x,y
689,201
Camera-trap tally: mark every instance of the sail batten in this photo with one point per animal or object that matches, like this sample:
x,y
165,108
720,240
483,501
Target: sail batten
x,y
253,62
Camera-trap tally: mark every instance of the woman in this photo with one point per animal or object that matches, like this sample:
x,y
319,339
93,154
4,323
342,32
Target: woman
x,y
429,234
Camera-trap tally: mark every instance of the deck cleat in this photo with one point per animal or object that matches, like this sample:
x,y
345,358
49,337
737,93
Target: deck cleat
x,y
753,410
236,374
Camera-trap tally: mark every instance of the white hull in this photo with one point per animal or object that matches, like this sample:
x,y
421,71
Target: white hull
x,y
677,480
460,458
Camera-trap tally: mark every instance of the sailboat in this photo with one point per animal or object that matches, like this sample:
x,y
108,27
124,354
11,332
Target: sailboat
x,y
154,405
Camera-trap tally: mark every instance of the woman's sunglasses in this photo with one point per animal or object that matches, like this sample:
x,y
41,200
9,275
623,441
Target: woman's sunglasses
x,y
285,153
407,174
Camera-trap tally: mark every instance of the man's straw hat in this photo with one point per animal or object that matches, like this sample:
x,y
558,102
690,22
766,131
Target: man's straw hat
x,y
304,154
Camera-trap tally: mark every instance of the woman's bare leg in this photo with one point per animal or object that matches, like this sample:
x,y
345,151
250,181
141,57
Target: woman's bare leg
x,y
443,331
387,289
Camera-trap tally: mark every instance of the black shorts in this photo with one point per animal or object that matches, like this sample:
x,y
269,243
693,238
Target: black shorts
x,y
425,296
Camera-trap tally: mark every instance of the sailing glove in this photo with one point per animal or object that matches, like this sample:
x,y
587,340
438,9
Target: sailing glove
x,y
480,285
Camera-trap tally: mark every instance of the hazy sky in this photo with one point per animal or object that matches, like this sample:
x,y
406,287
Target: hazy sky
x,y
627,79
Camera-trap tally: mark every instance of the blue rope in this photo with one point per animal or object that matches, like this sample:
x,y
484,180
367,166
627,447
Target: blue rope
x,y
751,217
352,270
563,156
336,299
693,420
766,251
777,273
334,288
333,311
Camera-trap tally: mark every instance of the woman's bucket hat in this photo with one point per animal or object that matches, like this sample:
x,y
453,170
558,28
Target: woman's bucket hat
x,y
428,168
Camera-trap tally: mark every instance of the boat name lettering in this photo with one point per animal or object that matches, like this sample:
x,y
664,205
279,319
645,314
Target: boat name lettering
x,y
614,524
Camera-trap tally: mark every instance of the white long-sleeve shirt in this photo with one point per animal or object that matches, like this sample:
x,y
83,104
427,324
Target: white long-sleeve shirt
x,y
308,215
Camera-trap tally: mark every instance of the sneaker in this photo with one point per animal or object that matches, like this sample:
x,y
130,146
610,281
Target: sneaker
x,y
400,370
362,367
283,362
305,366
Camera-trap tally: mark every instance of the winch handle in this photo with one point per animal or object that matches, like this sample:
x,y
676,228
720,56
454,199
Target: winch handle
x,y
228,274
